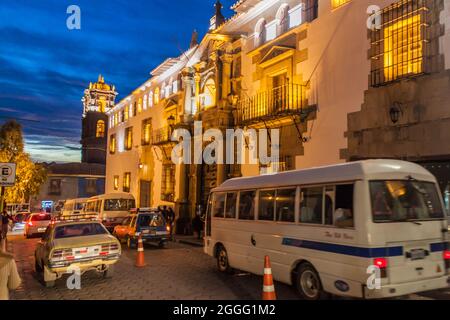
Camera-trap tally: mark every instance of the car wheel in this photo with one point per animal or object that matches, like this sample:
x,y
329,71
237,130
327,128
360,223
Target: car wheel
x,y
108,273
131,243
308,283
222,260
37,266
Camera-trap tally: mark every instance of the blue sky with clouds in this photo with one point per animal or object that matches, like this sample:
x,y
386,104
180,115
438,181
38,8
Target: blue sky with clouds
x,y
44,67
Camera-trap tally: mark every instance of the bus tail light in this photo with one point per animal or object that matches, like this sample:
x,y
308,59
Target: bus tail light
x,y
382,264
446,256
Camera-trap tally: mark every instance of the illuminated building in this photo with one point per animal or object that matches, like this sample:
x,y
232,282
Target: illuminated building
x,y
311,68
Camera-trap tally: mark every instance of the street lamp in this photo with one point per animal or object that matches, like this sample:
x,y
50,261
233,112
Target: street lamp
x,y
395,111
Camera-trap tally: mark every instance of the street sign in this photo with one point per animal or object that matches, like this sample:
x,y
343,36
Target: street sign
x,y
7,174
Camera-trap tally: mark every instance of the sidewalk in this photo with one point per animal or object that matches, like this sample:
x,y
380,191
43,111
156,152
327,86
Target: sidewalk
x,y
190,240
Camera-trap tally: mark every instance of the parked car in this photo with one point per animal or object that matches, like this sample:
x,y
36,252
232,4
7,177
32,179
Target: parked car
x,y
20,220
149,223
36,224
69,244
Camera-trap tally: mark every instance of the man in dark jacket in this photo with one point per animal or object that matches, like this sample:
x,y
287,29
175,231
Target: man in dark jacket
x,y
5,224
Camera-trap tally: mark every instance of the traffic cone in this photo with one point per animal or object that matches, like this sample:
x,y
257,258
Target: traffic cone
x,y
140,260
268,287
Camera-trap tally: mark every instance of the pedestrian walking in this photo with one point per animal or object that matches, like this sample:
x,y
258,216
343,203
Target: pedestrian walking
x,y
9,277
197,225
5,217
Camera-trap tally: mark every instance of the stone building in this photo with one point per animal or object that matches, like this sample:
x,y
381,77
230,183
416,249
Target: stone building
x,y
309,68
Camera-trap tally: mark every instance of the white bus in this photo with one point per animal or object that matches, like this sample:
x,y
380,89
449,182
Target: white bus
x,y
324,227
73,206
111,208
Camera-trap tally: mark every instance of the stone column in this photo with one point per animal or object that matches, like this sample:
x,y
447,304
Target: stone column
x,y
226,59
188,82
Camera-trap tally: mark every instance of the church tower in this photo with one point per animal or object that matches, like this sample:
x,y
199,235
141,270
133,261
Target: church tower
x,y
218,19
98,99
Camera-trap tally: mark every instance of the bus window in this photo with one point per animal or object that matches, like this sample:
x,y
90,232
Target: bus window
x,y
230,210
285,204
247,205
343,214
329,204
266,205
311,205
219,205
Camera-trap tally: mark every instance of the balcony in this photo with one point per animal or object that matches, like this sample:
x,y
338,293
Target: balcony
x,y
275,104
162,136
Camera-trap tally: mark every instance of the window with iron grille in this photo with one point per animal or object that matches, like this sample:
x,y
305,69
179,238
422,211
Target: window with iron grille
x,y
55,187
400,42
285,163
168,183
112,144
337,3
146,131
128,138
91,186
126,182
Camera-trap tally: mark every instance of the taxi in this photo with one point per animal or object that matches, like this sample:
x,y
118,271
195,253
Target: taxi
x,y
70,245
148,223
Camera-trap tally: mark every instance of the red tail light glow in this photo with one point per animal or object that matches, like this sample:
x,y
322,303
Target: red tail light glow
x,y
30,224
380,263
446,254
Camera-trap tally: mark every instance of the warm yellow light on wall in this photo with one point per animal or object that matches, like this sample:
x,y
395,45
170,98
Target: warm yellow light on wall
x,y
116,182
129,138
112,144
126,113
100,131
403,48
338,3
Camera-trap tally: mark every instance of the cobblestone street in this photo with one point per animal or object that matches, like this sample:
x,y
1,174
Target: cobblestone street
x,y
177,272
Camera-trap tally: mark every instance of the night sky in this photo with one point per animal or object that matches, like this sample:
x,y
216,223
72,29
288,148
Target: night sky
x,y
44,67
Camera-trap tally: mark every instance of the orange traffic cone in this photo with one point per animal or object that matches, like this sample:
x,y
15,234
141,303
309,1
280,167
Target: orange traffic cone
x,y
268,287
140,260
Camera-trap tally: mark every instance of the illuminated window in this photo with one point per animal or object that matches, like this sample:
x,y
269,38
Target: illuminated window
x,y
400,41
146,131
145,102
100,131
209,94
126,113
126,182
338,3
112,144
150,99
128,138
156,99
116,119
168,182
403,48
116,183
130,111
260,33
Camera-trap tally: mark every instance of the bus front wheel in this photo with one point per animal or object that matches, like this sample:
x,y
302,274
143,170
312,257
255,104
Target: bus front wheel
x,y
308,283
222,260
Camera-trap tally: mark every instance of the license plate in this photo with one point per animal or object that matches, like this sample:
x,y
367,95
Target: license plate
x,y
42,229
417,254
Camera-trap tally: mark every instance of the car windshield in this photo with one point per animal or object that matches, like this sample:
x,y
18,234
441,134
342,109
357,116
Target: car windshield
x,y
404,200
79,230
150,220
119,204
41,217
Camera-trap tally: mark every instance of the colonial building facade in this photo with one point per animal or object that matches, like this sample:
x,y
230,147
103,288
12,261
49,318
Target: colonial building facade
x,y
320,71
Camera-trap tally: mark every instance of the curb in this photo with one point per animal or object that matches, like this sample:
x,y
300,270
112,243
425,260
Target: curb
x,y
191,243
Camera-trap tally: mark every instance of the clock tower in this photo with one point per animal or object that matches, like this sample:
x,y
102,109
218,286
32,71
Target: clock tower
x,y
97,100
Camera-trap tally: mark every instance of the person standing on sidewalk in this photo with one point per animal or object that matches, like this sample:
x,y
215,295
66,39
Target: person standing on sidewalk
x,y
197,225
170,220
5,224
9,276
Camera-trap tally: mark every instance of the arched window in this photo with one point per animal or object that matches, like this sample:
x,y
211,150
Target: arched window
x,y
283,19
260,32
209,93
100,132
150,99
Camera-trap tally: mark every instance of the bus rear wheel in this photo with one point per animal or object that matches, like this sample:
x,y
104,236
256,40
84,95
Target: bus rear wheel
x,y
222,260
308,283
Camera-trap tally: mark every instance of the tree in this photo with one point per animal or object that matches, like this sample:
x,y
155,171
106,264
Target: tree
x,y
29,176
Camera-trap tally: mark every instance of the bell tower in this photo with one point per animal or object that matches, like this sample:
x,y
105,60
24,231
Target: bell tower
x,y
218,19
97,100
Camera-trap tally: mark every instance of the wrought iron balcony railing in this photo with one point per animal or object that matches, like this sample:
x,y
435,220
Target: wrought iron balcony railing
x,y
162,135
289,99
